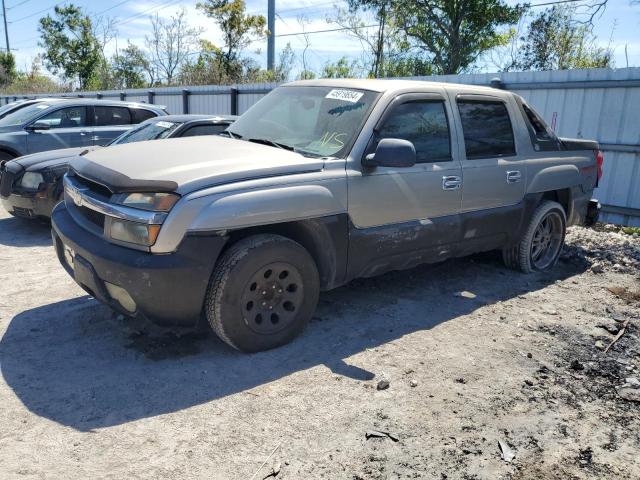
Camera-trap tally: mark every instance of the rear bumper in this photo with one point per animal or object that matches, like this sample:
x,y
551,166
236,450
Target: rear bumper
x,y
167,289
593,212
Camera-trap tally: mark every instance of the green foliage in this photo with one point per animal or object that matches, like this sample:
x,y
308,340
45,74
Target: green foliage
x,y
631,230
238,28
343,68
129,66
33,81
71,48
8,71
407,66
454,33
556,41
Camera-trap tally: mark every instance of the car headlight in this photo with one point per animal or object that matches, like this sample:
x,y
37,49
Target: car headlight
x,y
31,180
132,232
157,202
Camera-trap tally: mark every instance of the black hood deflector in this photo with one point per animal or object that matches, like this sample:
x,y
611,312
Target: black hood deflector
x,y
116,182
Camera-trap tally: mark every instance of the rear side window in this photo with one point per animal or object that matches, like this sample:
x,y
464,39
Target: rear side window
x,y
140,114
199,130
536,123
424,123
106,116
487,129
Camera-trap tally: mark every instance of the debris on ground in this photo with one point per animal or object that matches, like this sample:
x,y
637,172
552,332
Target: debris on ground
x,y
380,434
466,294
507,453
383,384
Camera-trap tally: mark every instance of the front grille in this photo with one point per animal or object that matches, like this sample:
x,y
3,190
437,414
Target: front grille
x,y
94,217
6,181
93,186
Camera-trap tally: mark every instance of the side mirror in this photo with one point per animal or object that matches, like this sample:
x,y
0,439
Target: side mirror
x,y
392,152
38,126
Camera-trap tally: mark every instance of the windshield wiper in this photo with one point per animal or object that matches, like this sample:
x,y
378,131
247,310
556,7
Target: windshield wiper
x,y
266,141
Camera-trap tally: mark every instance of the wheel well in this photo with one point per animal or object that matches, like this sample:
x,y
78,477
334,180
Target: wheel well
x,y
562,196
9,153
315,236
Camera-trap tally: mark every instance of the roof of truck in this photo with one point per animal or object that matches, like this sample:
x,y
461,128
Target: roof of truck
x,y
383,85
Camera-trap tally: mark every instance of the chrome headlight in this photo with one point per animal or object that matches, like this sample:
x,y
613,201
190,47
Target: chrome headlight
x,y
31,180
132,232
157,202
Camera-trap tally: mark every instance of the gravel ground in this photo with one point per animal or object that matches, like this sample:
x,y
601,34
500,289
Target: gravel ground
x,y
514,359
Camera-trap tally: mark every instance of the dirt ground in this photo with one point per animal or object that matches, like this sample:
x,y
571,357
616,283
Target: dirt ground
x,y
86,394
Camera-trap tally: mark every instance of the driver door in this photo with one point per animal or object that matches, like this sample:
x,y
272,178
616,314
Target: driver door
x,y
67,127
412,213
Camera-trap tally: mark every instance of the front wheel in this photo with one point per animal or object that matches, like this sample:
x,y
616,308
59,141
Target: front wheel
x,y
539,247
262,293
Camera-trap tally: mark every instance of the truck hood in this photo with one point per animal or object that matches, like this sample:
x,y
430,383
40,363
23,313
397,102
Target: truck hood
x,y
187,164
51,158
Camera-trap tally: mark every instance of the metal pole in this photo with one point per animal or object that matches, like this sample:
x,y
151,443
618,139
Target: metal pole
x,y
271,39
6,32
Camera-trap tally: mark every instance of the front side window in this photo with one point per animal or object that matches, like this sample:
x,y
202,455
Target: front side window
x,y
199,130
314,121
487,129
423,123
107,116
24,114
70,117
147,131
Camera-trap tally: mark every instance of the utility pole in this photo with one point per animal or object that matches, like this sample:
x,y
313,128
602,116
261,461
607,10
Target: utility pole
x,y
6,32
271,26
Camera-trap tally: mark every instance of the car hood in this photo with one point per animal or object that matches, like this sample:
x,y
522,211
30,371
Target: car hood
x,y
187,164
51,158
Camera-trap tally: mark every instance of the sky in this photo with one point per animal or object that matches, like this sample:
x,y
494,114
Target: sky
x,y
618,24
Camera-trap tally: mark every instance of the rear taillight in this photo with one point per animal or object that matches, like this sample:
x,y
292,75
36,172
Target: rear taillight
x,y
600,162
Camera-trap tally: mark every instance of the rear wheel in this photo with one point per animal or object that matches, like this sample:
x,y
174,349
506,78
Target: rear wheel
x,y
262,293
539,247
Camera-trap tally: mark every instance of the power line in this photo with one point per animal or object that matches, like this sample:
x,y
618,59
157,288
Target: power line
x,y
37,13
18,4
158,7
110,8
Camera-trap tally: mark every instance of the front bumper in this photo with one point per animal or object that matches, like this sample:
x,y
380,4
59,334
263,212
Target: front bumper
x,y
168,289
30,204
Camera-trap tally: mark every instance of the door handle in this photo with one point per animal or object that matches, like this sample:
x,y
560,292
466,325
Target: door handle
x,y
451,182
514,176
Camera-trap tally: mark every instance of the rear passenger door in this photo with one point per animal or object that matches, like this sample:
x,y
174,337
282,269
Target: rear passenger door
x,y
493,170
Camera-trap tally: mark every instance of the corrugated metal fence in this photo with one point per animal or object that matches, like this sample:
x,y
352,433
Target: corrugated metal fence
x,y
599,104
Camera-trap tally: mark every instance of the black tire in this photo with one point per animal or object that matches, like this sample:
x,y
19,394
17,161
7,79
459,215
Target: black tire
x,y
262,293
531,254
5,157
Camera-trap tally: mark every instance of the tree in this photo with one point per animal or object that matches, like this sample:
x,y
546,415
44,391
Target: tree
x,y
170,44
239,30
8,71
34,81
129,66
454,33
341,69
71,48
555,40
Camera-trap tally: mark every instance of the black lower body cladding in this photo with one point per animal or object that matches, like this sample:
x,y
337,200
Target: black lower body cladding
x,y
167,289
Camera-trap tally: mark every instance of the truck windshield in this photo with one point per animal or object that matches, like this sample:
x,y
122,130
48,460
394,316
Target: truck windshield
x,y
315,121
147,131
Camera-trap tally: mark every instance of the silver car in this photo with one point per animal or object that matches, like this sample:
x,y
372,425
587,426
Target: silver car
x,y
55,124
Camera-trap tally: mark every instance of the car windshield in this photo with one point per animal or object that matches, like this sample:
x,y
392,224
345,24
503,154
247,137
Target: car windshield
x,y
24,114
147,131
315,121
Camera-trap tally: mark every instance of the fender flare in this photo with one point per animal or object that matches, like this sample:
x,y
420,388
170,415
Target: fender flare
x,y
556,177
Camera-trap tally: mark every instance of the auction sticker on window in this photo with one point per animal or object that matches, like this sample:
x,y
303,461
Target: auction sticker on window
x,y
345,95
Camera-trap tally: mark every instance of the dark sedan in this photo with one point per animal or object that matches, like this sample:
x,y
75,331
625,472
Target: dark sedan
x,y
30,186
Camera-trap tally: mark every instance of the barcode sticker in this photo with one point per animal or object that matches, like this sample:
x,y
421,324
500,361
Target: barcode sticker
x,y
345,95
